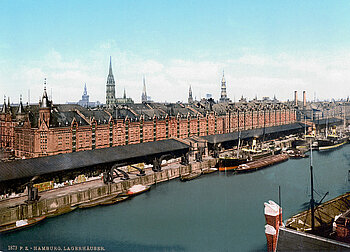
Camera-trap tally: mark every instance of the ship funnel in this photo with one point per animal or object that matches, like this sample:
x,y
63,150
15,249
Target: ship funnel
x,y
273,217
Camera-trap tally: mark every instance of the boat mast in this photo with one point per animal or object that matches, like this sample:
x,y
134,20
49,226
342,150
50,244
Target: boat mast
x,y
312,201
239,143
304,126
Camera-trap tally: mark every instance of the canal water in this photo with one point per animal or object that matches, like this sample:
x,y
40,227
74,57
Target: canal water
x,y
216,212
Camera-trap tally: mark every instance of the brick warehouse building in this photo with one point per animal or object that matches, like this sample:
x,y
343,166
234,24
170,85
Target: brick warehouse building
x,y
49,129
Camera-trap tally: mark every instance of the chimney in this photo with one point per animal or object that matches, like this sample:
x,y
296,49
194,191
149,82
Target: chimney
x,y
296,98
304,99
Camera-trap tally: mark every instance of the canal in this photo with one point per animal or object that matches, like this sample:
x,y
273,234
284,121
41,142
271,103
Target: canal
x,y
216,212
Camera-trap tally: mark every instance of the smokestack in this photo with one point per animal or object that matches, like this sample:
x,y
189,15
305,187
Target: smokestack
x,y
304,98
296,98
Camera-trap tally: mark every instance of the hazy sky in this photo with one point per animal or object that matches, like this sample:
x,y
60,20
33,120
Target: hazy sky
x,y
265,47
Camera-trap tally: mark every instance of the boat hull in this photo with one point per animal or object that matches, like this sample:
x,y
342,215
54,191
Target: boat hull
x,y
61,211
114,201
190,176
12,226
130,193
210,170
330,147
97,202
229,164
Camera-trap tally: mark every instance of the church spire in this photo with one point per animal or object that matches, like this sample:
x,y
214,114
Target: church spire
x,y
85,90
4,107
45,103
144,94
223,97
190,98
110,87
110,66
20,107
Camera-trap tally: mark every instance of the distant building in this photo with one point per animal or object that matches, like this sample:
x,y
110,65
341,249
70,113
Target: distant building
x,y
124,100
84,102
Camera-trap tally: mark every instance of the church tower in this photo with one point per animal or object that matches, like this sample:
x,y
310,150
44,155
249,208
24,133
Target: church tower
x,y
144,94
190,98
110,87
44,108
223,97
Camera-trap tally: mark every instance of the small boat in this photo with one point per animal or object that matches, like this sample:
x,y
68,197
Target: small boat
x,y
137,189
114,201
60,211
21,224
262,163
190,176
97,201
298,155
209,170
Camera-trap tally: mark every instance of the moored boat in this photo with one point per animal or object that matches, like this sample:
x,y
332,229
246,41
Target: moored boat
x,y
230,163
114,200
209,170
137,189
331,142
190,176
21,224
296,154
97,201
60,211
262,163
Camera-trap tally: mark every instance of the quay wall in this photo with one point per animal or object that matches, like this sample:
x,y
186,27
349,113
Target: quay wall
x,y
57,204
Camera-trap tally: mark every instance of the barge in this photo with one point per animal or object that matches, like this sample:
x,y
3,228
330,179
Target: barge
x,y
262,163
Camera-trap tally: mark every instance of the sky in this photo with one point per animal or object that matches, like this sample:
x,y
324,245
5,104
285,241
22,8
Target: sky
x,y
265,48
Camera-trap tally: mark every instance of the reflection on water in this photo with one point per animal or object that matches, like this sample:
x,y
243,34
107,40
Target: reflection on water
x,y
216,212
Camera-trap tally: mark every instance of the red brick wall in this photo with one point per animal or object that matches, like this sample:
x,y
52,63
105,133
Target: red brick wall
x,y
119,133
161,130
31,142
248,119
202,126
255,119
183,128
220,125
148,131
134,132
